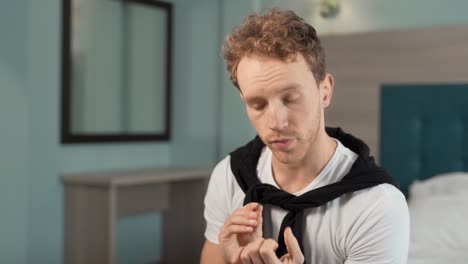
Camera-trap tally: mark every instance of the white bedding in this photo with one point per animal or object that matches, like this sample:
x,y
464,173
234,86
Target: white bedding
x,y
439,220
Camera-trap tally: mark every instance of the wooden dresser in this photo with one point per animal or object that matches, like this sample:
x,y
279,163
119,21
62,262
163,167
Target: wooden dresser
x,y
94,202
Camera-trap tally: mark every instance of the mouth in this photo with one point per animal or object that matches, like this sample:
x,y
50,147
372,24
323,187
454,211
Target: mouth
x,y
282,143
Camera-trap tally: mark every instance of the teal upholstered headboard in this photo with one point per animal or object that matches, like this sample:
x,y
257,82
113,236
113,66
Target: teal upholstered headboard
x,y
423,130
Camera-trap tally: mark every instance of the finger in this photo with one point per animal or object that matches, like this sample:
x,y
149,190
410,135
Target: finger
x,y
234,229
245,212
251,206
260,216
292,245
250,254
241,220
259,226
267,251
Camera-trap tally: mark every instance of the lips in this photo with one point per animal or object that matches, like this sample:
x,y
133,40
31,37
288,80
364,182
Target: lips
x,y
281,143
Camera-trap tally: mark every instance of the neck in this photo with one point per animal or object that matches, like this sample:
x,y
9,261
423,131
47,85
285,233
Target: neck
x,y
294,177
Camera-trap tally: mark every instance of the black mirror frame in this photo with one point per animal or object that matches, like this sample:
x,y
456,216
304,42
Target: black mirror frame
x,y
67,136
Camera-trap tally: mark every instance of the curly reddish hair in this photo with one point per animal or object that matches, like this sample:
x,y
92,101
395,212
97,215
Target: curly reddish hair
x,y
276,33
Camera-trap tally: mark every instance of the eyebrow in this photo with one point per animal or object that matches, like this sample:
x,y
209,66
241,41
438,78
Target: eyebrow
x,y
255,99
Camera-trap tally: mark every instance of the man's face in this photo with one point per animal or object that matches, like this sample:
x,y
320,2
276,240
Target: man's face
x,y
284,104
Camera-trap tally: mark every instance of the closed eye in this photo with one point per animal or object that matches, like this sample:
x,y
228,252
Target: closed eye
x,y
257,106
256,103
292,98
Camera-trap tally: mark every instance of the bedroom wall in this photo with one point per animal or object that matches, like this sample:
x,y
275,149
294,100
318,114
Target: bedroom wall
x,y
14,133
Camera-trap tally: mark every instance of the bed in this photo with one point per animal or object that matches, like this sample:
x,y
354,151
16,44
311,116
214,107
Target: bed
x,y
424,145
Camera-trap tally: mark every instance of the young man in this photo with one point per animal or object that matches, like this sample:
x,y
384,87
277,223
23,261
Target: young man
x,y
299,192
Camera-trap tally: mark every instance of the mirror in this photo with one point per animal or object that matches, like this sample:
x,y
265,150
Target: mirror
x,y
116,69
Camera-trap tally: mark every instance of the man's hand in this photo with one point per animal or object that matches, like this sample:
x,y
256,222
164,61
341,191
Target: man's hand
x,y
242,227
263,251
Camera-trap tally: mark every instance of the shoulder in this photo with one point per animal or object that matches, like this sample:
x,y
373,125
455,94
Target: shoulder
x,y
223,186
377,221
382,194
222,174
381,201
222,168
222,179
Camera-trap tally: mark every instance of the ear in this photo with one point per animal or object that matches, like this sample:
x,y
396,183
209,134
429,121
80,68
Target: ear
x,y
326,90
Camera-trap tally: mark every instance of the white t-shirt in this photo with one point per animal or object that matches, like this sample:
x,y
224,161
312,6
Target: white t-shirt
x,y
367,226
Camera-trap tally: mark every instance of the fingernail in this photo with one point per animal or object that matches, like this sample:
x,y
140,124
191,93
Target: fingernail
x,y
253,222
253,214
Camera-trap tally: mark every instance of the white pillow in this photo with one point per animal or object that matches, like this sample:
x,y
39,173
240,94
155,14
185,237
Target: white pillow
x,y
442,184
440,222
439,219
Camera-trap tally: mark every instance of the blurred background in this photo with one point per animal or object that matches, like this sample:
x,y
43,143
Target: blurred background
x,y
206,116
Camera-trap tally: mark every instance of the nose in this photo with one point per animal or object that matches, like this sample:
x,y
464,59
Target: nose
x,y
278,117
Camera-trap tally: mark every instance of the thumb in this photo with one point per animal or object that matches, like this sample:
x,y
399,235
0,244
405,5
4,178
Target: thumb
x,y
292,244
